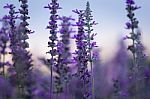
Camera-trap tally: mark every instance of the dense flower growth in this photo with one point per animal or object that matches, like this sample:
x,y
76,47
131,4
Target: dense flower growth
x,y
77,74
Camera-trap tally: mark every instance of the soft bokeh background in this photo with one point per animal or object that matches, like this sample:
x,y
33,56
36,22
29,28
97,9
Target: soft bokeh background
x,y
110,14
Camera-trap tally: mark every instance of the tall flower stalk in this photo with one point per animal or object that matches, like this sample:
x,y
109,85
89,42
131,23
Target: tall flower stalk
x,y
52,44
21,58
11,18
89,23
25,57
62,67
81,58
132,25
136,48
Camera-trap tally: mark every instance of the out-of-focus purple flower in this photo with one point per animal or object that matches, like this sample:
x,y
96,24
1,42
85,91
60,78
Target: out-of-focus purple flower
x,y
6,90
126,37
95,55
117,74
93,44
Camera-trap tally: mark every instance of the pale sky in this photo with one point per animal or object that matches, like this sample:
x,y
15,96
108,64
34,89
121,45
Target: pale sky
x,y
110,14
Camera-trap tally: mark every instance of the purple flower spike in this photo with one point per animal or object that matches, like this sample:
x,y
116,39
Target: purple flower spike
x,y
53,39
89,23
137,50
62,67
21,58
81,59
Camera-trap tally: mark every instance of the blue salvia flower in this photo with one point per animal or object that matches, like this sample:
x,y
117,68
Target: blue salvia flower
x,y
11,18
14,43
89,23
25,58
53,7
137,70
62,67
81,55
14,71
20,56
132,24
4,39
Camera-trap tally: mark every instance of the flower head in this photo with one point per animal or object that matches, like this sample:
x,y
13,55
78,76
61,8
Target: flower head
x,y
130,2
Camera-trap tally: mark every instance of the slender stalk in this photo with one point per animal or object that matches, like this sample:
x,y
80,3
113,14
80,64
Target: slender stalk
x,y
132,25
134,62
91,63
4,64
93,81
51,81
89,24
53,7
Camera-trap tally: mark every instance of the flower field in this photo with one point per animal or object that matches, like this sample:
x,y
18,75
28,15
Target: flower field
x,y
70,64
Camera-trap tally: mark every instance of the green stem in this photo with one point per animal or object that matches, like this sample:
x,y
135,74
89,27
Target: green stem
x,y
134,60
91,63
51,81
